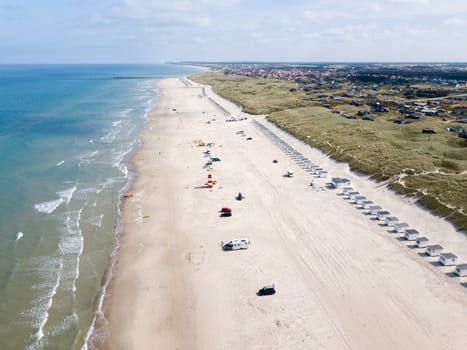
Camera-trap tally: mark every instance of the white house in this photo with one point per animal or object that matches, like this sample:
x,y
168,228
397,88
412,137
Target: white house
x,y
422,242
391,221
434,250
401,227
447,259
411,235
461,270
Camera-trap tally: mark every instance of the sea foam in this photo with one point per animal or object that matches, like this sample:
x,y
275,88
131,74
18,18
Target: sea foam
x,y
48,207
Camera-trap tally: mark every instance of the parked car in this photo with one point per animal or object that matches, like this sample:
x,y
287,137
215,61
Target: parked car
x,y
226,214
236,244
428,131
225,210
267,290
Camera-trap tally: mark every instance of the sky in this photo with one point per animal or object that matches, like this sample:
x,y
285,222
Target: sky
x,y
157,31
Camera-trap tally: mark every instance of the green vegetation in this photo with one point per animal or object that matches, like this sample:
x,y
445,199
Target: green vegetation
x,y
432,167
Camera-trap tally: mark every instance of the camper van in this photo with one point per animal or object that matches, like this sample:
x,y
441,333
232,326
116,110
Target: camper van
x,y
235,244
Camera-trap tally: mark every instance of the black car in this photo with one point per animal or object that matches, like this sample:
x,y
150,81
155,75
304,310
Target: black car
x,y
267,290
226,214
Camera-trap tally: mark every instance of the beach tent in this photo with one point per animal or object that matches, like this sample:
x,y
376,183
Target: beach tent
x,y
447,259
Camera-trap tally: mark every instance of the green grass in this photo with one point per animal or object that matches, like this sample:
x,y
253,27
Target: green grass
x,y
435,165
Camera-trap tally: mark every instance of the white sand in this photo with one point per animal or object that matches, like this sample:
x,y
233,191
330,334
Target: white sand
x,y
343,281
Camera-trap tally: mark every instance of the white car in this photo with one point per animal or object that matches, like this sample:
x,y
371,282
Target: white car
x,y
235,244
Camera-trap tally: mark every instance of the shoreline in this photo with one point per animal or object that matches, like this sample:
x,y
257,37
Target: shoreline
x,y
169,250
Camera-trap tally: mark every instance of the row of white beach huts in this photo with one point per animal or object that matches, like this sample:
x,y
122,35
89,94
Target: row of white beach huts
x,y
298,157
344,188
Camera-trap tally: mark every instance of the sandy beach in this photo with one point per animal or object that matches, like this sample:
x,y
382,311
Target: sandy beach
x,y
343,280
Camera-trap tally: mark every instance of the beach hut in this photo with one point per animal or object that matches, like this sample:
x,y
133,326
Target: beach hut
x,y
391,221
374,209
382,215
358,200
350,194
345,190
461,270
401,227
447,259
323,174
338,182
318,170
434,250
422,242
411,235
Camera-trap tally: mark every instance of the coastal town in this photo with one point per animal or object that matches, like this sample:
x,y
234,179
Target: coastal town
x,y
403,93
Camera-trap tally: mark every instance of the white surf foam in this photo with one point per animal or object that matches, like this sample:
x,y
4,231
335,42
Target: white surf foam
x,y
45,303
60,163
48,207
67,194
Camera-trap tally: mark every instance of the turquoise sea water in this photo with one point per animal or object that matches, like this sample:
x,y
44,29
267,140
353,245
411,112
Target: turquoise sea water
x,y
67,133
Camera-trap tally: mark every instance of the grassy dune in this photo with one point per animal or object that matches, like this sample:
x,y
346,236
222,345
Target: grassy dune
x,y
432,167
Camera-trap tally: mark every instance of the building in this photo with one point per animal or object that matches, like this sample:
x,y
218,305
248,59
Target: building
x,y
411,235
338,182
422,242
374,209
447,259
461,270
434,250
391,221
382,214
401,227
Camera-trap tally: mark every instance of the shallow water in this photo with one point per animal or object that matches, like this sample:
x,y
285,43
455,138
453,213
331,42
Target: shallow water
x,y
66,136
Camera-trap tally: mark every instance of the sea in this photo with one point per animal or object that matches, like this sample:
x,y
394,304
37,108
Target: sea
x,y
67,135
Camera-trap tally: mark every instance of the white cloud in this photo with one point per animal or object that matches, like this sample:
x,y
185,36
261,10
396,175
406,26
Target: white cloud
x,y
164,13
455,21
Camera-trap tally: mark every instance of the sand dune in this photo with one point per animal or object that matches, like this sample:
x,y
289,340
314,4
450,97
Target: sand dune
x,y
343,281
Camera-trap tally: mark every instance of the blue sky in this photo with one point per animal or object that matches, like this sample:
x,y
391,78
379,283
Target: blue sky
x,y
155,31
